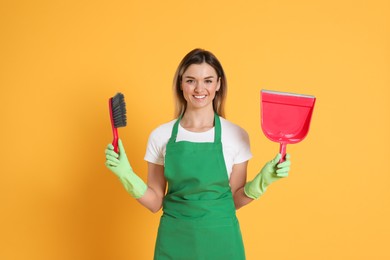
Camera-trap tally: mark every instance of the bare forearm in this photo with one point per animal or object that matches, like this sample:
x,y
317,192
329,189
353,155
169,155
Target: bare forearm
x,y
153,197
151,200
240,199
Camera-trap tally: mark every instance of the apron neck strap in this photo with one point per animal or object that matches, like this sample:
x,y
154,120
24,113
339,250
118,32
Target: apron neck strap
x,y
217,129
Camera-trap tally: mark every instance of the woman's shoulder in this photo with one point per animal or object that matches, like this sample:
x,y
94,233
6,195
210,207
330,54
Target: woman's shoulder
x,y
163,130
232,127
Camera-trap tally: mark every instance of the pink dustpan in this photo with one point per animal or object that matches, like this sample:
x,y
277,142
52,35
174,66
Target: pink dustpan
x,y
285,117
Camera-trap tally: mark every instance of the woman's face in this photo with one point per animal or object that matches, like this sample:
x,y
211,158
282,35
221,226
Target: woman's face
x,y
199,84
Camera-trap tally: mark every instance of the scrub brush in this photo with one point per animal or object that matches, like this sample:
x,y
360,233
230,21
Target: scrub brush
x,y
117,107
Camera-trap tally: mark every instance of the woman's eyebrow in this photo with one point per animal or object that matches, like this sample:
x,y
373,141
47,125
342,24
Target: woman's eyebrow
x,y
191,77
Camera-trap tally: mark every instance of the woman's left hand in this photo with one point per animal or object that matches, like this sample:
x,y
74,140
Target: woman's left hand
x,y
271,172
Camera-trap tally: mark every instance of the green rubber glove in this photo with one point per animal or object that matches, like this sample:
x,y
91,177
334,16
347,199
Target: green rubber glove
x,y
271,172
119,164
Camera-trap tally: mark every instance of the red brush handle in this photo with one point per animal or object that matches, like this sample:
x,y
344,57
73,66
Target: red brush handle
x,y
282,151
114,130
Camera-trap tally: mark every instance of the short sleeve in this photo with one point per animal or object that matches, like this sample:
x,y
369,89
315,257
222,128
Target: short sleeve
x,y
243,148
157,143
154,151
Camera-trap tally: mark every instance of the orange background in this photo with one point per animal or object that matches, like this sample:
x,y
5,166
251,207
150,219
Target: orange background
x,y
62,60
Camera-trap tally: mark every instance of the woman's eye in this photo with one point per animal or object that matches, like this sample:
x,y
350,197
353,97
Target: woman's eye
x,y
189,81
209,81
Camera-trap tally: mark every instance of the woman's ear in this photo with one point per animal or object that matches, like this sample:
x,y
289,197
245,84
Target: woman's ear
x,y
218,83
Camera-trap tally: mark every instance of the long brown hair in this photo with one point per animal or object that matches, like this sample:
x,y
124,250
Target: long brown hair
x,y
199,56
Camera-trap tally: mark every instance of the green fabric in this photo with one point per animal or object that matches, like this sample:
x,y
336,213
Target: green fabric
x,y
199,220
271,172
119,164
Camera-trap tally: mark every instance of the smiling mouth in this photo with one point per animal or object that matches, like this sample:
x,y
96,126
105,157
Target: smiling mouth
x,y
199,97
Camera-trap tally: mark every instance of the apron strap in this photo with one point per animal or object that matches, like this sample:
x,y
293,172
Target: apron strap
x,y
217,129
174,130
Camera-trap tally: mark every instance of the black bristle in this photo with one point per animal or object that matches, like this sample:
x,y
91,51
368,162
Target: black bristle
x,y
119,110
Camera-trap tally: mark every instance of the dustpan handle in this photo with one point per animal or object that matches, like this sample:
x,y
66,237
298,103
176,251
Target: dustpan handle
x,y
282,151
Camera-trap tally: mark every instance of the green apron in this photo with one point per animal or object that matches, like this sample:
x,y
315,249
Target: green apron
x,y
199,220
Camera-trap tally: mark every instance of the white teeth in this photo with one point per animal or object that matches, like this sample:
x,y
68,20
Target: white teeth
x,y
200,96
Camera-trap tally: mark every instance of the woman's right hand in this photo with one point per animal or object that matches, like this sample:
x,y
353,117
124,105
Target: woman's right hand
x,y
119,164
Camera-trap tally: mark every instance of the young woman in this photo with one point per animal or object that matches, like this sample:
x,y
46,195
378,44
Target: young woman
x,y
203,159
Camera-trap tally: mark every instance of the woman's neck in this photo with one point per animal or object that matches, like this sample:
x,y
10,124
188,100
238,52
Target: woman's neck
x,y
198,121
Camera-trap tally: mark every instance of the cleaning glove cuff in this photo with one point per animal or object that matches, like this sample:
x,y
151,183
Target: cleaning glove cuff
x,y
255,188
120,165
133,184
271,172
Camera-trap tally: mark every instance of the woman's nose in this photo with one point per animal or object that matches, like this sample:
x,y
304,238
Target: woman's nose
x,y
199,86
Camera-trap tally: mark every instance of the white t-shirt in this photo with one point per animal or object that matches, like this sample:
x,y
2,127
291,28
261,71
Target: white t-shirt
x,y
235,142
